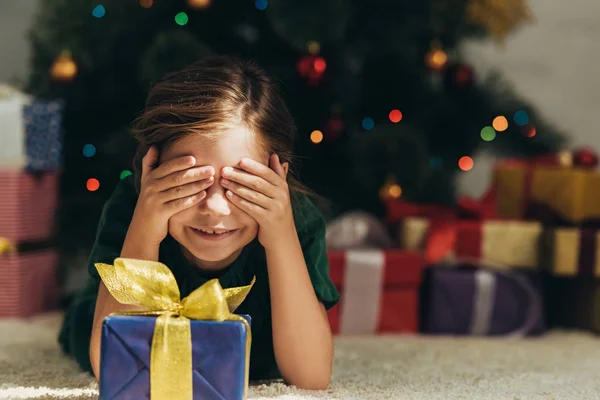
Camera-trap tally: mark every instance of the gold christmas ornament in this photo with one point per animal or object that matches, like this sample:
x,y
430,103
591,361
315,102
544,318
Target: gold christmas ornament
x,y
63,68
199,3
390,189
499,17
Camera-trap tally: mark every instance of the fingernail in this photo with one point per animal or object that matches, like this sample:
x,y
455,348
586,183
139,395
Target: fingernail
x,y
227,170
191,160
211,178
224,181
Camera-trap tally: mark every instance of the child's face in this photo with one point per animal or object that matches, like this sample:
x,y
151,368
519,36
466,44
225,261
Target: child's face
x,y
215,212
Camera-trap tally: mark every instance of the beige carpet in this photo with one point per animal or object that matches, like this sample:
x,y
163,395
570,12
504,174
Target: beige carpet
x,y
561,365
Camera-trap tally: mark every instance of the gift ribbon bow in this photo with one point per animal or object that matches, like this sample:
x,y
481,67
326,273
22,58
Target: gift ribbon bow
x,y
6,246
151,285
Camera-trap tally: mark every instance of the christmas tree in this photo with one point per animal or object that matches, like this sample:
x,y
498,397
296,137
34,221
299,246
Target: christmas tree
x,y
378,89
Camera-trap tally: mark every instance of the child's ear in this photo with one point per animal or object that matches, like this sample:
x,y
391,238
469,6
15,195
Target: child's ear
x,y
286,167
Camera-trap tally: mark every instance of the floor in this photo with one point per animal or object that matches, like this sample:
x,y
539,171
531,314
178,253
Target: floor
x,y
560,365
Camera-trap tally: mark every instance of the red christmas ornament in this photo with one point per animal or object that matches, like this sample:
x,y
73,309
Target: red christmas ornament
x,y
460,76
312,68
585,157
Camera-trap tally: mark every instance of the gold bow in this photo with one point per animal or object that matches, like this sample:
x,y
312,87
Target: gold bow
x,y
6,246
151,284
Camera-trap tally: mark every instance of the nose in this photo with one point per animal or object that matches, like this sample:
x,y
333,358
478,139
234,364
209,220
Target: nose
x,y
215,204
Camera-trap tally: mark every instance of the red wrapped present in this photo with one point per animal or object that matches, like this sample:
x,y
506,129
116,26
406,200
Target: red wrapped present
x,y
28,283
28,204
379,291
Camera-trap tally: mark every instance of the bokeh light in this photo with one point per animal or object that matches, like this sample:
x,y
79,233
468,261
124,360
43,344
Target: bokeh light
x,y
319,65
436,162
313,47
146,3
394,191
395,116
465,163
89,150
500,123
261,4
181,18
530,131
99,11
368,123
199,3
521,118
92,184
316,136
125,174
436,59
488,134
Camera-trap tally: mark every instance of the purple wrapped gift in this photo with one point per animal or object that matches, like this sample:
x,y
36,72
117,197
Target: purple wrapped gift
x,y
479,301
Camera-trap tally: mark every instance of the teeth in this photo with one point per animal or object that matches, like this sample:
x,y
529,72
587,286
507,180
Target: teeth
x,y
211,232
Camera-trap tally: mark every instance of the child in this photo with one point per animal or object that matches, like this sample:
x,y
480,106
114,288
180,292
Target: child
x,y
213,195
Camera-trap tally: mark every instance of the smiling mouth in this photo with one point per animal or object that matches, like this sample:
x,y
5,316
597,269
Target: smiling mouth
x,y
208,233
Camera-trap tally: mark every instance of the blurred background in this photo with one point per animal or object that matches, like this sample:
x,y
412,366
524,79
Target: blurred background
x,y
408,101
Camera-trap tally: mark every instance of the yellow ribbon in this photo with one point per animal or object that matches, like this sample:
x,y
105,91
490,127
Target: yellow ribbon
x,y
151,285
6,246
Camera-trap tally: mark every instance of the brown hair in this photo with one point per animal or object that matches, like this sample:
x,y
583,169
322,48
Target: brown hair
x,y
212,95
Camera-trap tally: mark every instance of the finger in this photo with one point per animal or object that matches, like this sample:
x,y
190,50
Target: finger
x,y
184,177
276,166
149,161
249,180
184,203
252,209
256,168
188,189
246,193
174,165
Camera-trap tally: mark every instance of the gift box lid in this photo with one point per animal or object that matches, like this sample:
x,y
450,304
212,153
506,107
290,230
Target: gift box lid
x,y
400,267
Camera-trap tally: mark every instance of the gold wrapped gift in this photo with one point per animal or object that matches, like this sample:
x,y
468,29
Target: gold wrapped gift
x,y
573,193
573,252
505,244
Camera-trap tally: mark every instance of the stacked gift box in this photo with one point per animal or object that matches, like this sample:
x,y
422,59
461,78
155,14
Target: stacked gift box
x,y
378,282
30,151
521,259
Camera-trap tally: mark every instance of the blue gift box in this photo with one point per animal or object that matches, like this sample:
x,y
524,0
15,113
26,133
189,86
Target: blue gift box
x,y
218,358
43,142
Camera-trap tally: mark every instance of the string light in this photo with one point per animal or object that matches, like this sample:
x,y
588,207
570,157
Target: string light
x,y
313,47
436,58
146,3
181,18
390,189
395,116
92,184
488,134
465,163
199,3
89,150
316,136
63,68
125,174
99,11
368,123
261,4
500,123
319,65
530,131
521,118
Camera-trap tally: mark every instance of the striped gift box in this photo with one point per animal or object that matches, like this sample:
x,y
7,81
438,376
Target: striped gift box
x,y
27,204
28,283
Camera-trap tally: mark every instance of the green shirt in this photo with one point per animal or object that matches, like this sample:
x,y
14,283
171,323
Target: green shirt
x,y
112,228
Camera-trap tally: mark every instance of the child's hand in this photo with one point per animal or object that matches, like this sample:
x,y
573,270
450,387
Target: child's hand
x,y
166,190
262,193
